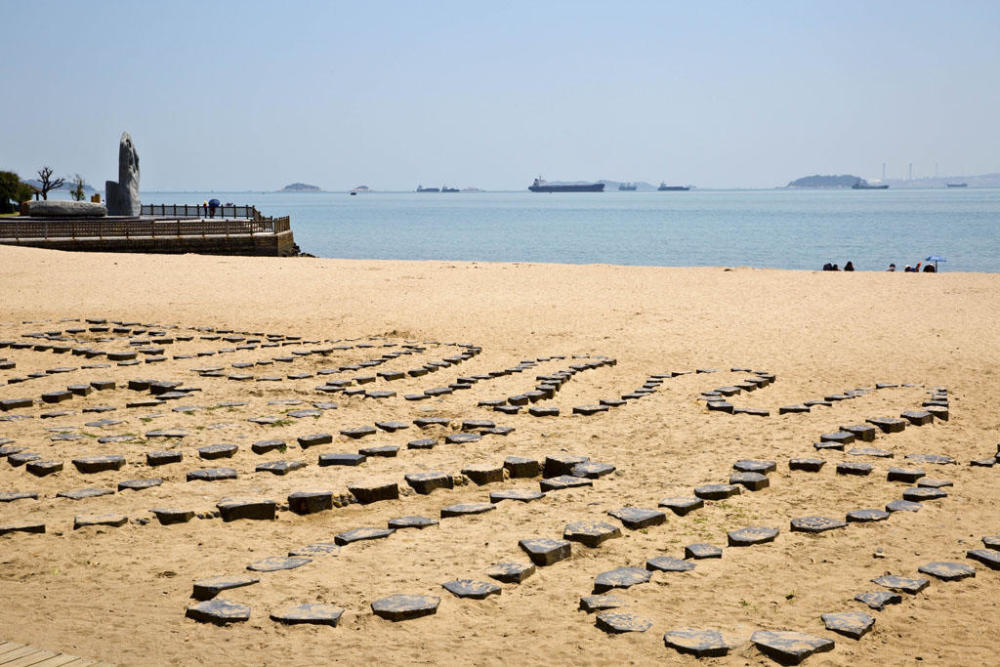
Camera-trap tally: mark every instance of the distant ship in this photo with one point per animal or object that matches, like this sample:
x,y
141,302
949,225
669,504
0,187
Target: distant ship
x,y
957,185
864,185
445,188
360,188
421,188
627,187
541,186
673,188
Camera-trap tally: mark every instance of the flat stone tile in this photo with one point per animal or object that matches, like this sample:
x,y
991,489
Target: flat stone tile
x,y
701,550
591,533
561,464
420,522
276,563
716,491
902,506
206,589
401,607
806,464
948,571
935,459
909,475
386,451
81,494
752,481
866,515
426,482
592,603
311,613
622,577
469,588
520,467
668,564
361,534
988,557
464,509
878,600
219,451
635,518
341,459
234,509
11,496
815,524
169,516
854,624
934,483
789,648
920,494
544,551
139,484
316,550
374,491
309,502
753,465
616,622
522,495
218,611
564,482
701,643
848,468
751,535
871,451
211,474
510,573
306,441
682,506
484,473
901,584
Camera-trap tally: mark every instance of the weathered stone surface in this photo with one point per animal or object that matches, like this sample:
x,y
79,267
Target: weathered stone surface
x,y
11,496
992,542
206,589
701,643
544,551
316,550
827,445
854,624
310,502
425,482
359,432
878,600
264,446
616,622
94,464
932,483
306,441
386,451
561,464
901,584
682,506
752,465
311,613
404,607
871,451
918,417
139,484
935,459
280,467
423,443
806,464
468,588
564,482
988,557
341,459
233,509
866,515
622,577
909,475
920,493
81,494
112,520
948,571
464,509
888,424
902,506
420,522
720,406
510,573
43,468
521,467
701,550
848,468
792,409
522,495
863,432
22,527
635,518
425,422
122,196
276,563
211,475
751,535
668,564
716,491
592,603
361,534
462,438
753,481
484,473
218,611
219,451
590,533
168,516
789,648
815,524
15,403
66,209
374,491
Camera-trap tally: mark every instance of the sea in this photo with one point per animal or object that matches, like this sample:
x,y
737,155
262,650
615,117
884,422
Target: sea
x,y
782,229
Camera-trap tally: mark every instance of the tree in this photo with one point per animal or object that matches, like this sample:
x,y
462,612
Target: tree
x,y
77,190
48,183
10,188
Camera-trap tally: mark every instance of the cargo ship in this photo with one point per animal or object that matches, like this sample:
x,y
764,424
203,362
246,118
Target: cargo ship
x,y
673,188
421,188
865,185
541,185
627,187
957,185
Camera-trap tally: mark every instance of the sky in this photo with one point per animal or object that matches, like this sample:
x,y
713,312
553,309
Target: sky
x,y
254,95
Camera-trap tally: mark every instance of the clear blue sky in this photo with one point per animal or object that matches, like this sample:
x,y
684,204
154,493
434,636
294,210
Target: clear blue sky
x,y
258,94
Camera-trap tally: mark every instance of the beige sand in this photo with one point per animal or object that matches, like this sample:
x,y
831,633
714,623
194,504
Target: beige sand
x,y
119,594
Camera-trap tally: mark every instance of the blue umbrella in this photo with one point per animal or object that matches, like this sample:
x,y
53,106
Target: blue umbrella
x,y
214,202
935,259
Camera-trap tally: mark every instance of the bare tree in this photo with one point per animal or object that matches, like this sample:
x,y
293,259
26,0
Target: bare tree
x,y
77,190
48,183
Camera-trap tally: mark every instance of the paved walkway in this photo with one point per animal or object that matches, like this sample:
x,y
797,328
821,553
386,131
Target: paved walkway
x,y
13,654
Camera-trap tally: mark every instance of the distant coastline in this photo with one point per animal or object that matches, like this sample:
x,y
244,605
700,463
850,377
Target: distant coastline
x,y
300,187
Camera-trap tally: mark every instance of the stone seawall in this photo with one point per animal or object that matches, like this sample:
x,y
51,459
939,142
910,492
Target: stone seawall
x,y
281,244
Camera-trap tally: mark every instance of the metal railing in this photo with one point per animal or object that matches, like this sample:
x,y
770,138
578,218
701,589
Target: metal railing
x,y
25,228
200,211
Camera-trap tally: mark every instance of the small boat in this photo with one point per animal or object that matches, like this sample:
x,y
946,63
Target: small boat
x,y
540,185
673,188
957,185
445,188
421,188
627,187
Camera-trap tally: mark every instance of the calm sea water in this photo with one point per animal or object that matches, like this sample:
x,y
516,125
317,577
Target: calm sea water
x,y
761,228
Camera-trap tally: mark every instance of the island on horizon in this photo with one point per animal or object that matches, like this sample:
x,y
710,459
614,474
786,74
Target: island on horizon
x,y
300,187
817,181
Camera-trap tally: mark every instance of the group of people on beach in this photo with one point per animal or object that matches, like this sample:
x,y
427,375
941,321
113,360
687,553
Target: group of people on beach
x,y
914,269
833,267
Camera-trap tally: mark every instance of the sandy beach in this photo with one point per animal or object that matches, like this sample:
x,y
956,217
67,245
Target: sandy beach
x,y
119,594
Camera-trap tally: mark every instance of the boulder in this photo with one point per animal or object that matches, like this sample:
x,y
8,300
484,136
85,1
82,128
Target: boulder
x,y
66,209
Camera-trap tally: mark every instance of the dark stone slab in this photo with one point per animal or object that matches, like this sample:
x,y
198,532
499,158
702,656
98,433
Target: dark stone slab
x,y
498,430
302,414
939,411
668,564
22,527
863,432
219,612
716,491
815,524
57,396
847,468
901,584
518,467
806,464
11,496
420,522
276,563
992,542
935,459
588,410
917,417
139,484
854,624
755,412
425,422
622,577
616,622
15,403
902,506
174,433
871,451
341,459
591,533
310,613
359,432
507,409
793,409
930,483
82,494
234,509
592,470
510,573
310,502
866,515
88,520
753,481
720,406
635,518
543,411
888,424
163,457
751,465
484,473
316,550
464,509
21,458
169,516
701,643
425,482
387,451
988,557
921,493
878,600
423,443
948,571
826,444
908,475
362,534
219,451
94,464
789,648
751,535
592,603
405,607
462,438
522,495
561,464
564,482
468,588
374,491
280,467
682,506
211,475
43,468
701,550
544,551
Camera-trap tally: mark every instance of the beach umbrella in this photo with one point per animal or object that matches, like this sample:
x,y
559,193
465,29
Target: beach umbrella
x,y
214,202
935,259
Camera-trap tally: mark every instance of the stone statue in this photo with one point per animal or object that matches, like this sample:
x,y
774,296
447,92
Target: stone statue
x,y
123,196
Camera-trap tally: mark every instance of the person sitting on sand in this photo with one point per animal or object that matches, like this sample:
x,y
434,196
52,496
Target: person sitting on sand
x,y
929,269
849,266
892,267
835,268
828,267
908,269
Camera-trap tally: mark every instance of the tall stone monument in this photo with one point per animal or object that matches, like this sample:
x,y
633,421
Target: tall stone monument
x,y
123,197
